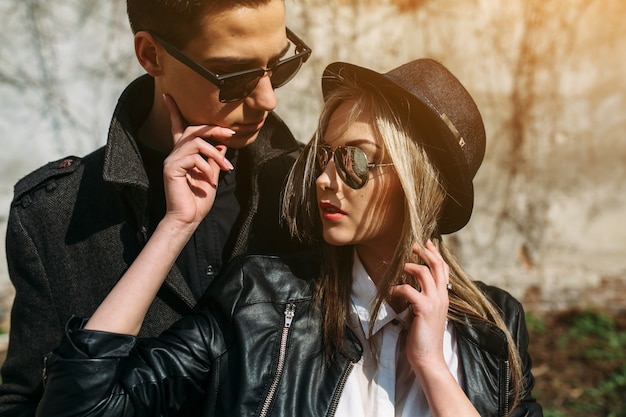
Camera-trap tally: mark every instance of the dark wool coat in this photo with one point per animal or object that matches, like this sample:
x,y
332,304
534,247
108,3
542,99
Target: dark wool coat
x,y
77,224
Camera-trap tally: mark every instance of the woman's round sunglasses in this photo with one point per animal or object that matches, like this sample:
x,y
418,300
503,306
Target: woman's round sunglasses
x,y
350,163
238,85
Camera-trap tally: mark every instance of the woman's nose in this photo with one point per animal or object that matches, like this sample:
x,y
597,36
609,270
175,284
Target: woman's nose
x,y
328,177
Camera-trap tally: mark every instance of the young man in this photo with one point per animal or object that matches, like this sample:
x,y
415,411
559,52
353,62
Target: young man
x,y
77,224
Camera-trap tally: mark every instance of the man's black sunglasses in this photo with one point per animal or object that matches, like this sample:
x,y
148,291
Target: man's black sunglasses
x,y
238,85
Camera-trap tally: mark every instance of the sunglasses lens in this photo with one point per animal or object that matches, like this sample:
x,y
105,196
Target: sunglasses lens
x,y
240,86
285,71
350,162
352,166
322,157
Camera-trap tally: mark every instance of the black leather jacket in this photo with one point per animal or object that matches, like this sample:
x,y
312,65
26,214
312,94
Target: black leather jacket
x,y
255,350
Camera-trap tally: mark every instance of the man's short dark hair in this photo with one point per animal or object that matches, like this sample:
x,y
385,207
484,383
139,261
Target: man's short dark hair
x,y
178,20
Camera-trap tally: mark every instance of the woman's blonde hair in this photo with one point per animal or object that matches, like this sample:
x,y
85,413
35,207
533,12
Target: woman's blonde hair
x,y
424,194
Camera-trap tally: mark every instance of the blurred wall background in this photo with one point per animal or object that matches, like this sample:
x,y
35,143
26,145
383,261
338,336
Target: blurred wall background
x,y
548,75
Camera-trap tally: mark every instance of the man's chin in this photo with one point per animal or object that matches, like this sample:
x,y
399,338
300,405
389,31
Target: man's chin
x,y
241,140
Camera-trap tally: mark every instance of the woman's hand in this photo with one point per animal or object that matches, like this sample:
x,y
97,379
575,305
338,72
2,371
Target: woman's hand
x,y
424,343
429,305
191,171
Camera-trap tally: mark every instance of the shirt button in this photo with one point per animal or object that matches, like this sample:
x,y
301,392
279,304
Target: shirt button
x,y
209,271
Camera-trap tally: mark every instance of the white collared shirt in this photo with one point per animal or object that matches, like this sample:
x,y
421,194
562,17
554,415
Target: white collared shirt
x,y
382,383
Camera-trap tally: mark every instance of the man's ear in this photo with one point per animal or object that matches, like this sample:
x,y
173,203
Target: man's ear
x,y
149,53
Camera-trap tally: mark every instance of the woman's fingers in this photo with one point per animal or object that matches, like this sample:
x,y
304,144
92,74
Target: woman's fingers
x,y
198,136
192,167
176,119
430,294
429,304
215,156
438,269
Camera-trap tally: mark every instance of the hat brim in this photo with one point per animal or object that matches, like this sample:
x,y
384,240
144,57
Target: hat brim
x,y
437,138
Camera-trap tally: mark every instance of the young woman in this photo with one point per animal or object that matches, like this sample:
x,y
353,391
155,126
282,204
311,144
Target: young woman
x,y
381,322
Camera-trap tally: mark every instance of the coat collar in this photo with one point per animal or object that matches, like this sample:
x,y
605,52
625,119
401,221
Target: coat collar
x,y
122,160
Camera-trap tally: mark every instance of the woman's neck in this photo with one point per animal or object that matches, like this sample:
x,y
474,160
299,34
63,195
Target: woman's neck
x,y
375,261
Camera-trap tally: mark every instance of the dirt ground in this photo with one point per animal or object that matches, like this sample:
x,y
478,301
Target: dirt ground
x,y
578,363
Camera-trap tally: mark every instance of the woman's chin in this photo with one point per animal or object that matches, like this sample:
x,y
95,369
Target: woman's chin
x,y
337,240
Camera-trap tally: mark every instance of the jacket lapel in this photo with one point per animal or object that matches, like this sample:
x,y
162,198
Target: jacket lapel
x,y
483,355
176,284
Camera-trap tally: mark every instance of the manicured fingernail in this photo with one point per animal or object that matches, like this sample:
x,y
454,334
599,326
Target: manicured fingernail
x,y
232,168
229,131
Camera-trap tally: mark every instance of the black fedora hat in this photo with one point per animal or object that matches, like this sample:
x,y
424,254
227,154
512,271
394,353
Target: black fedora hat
x,y
450,125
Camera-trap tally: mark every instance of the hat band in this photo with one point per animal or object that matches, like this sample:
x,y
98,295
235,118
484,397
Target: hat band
x,y
453,129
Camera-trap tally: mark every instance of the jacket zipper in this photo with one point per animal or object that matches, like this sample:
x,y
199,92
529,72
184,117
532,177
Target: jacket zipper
x,y
337,395
290,312
507,382
44,371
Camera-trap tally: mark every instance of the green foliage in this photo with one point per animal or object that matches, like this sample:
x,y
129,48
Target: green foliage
x,y
594,339
535,323
607,399
553,413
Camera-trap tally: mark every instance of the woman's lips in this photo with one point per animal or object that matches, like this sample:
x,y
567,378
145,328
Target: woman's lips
x,y
331,212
